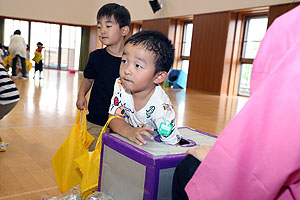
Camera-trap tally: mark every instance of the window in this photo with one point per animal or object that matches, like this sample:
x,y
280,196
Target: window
x,y
12,25
255,29
70,47
49,35
186,46
50,40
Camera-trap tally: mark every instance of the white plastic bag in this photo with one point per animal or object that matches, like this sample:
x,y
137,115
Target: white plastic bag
x,y
99,196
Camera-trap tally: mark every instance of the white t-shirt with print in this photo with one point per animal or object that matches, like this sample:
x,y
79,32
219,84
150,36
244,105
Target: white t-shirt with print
x,y
157,113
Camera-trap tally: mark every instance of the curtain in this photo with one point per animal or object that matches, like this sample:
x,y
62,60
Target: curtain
x,y
2,30
84,50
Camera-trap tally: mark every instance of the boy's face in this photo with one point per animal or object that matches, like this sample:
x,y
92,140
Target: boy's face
x,y
137,68
109,31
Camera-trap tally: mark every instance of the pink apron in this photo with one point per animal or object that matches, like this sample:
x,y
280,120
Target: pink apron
x,y
257,156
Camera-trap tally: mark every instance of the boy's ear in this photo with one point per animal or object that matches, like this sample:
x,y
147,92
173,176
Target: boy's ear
x,y
160,77
125,30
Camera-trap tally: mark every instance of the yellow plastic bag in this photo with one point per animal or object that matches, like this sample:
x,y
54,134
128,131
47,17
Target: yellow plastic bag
x,y
28,65
37,57
77,143
7,62
89,164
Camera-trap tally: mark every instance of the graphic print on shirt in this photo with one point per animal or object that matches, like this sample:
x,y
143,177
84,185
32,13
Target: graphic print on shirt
x,y
120,111
121,108
166,106
150,111
165,129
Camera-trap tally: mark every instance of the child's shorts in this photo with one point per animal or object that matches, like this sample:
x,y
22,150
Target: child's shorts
x,y
39,66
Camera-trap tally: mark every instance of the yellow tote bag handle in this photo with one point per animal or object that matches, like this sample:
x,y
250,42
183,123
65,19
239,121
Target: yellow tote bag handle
x,y
99,141
76,145
89,165
79,115
86,137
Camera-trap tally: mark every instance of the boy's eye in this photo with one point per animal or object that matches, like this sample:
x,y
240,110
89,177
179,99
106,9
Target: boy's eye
x,y
99,27
108,26
138,66
123,61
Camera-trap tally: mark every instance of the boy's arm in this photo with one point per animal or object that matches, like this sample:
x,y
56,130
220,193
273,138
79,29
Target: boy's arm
x,y
84,88
134,134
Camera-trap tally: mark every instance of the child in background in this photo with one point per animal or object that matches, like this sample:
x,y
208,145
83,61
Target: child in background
x,y
5,51
138,97
9,97
7,59
1,54
103,66
27,61
27,52
38,59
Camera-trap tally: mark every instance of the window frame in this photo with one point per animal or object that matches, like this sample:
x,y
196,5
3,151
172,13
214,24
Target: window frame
x,y
242,60
182,39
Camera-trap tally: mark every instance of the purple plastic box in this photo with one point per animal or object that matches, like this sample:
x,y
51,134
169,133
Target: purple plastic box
x,y
132,172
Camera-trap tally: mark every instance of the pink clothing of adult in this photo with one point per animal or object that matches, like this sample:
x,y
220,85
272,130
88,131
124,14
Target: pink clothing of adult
x,y
280,37
257,156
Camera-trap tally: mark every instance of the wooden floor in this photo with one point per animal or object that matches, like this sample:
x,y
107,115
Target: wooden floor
x,y
43,118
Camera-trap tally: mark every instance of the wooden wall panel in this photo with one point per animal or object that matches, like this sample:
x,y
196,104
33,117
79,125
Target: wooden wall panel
x,y
166,26
276,11
228,57
209,48
161,25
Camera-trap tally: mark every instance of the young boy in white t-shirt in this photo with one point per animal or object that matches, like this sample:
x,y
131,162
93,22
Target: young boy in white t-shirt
x,y
138,97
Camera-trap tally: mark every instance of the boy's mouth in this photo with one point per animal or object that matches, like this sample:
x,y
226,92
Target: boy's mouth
x,y
127,80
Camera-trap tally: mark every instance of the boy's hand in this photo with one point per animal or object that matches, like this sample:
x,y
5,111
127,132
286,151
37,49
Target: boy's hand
x,y
200,152
138,133
81,102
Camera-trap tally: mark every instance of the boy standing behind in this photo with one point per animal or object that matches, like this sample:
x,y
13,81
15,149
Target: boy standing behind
x,y
103,66
138,97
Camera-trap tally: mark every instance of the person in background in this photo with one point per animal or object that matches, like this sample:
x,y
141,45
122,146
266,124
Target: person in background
x,y
9,97
17,50
1,54
257,156
27,52
5,51
38,59
102,69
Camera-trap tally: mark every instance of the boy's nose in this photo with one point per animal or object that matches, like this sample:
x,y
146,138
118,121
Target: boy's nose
x,y
102,30
127,70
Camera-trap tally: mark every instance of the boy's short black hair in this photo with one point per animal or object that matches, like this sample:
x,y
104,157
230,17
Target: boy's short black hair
x,y
157,43
39,43
120,14
17,32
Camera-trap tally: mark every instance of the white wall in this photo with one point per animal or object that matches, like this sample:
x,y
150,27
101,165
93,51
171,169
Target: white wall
x,y
83,12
